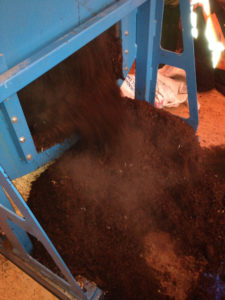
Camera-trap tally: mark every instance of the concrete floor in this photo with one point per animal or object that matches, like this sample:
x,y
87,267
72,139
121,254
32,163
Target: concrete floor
x,y
16,285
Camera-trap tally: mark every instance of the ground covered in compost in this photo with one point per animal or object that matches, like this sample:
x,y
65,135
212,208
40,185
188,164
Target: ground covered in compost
x,y
143,218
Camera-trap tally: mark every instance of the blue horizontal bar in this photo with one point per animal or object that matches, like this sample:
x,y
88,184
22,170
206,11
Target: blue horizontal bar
x,y
25,72
171,58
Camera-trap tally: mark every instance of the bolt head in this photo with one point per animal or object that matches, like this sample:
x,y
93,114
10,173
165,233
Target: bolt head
x,y
22,139
126,68
126,51
126,32
14,119
29,156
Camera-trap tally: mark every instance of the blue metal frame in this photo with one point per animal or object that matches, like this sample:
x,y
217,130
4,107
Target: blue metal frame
x,y
25,72
141,22
149,23
14,79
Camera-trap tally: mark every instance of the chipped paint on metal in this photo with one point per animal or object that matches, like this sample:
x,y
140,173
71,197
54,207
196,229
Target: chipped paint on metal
x,y
11,72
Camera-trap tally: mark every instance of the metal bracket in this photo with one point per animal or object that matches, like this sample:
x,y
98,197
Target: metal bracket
x,y
19,255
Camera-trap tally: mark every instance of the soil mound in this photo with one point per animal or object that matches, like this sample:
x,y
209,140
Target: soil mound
x,y
144,220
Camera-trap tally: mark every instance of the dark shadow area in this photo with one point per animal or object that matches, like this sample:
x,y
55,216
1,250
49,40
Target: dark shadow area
x,y
171,28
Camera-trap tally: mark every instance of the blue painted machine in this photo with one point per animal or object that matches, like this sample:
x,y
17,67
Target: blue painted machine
x,y
34,37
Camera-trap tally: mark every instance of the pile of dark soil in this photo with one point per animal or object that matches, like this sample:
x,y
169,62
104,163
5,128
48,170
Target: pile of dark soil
x,y
136,206
144,220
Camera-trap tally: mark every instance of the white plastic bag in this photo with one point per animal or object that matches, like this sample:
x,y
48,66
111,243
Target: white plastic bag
x,y
171,87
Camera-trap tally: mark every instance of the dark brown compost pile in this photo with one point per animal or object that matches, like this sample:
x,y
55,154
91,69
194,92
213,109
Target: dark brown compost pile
x,y
146,220
136,206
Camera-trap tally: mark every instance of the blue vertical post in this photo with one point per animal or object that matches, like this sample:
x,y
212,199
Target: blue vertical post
x,y
128,40
156,19
4,201
143,62
189,62
149,23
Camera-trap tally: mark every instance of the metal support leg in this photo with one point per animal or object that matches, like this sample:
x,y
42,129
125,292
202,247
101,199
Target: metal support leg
x,y
30,224
19,238
150,54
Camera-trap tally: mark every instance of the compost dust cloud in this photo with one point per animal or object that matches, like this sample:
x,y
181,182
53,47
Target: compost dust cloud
x,y
134,205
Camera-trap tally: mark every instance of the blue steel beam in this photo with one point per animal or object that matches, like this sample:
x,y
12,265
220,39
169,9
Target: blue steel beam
x,y
128,40
47,278
189,63
19,131
11,108
147,57
25,72
174,59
